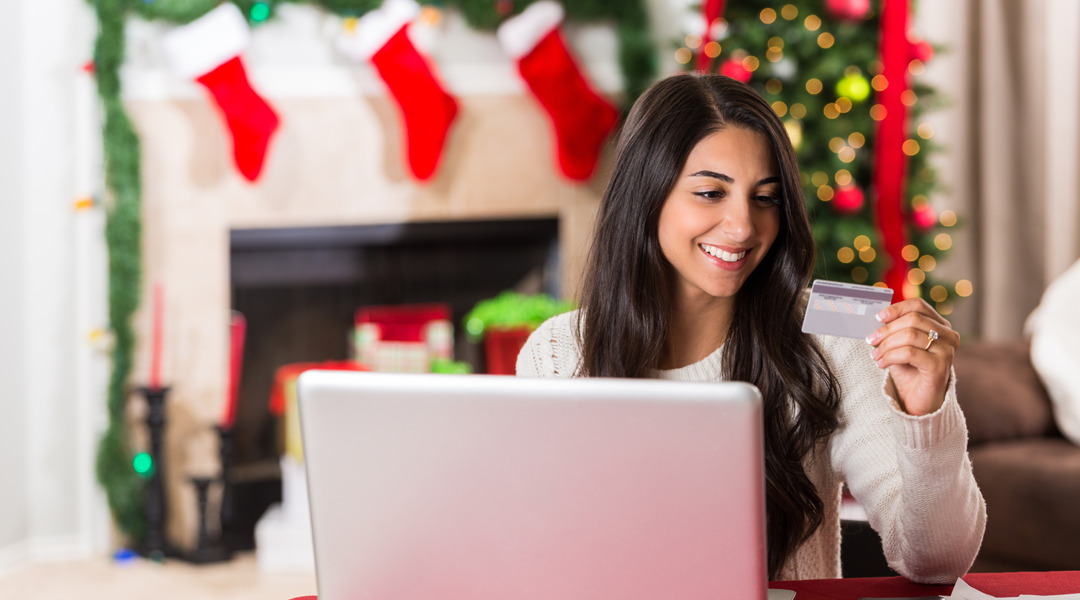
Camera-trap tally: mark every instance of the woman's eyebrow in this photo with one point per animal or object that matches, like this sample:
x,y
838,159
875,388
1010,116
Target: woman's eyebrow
x,y
714,175
729,179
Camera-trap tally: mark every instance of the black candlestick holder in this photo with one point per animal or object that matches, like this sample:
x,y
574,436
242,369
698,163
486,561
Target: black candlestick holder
x,y
206,550
229,537
155,546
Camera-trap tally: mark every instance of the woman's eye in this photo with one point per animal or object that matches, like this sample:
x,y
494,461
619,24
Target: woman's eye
x,y
710,194
769,200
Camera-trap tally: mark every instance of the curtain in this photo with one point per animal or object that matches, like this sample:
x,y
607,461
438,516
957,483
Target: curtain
x,y
1010,71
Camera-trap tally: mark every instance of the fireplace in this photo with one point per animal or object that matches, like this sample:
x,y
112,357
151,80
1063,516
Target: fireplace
x,y
332,178
299,288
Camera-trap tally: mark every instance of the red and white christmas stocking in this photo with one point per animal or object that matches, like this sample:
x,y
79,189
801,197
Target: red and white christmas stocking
x,y
208,50
582,118
381,36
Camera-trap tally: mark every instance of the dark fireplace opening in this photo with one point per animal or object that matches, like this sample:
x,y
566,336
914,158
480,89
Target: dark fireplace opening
x,y
299,289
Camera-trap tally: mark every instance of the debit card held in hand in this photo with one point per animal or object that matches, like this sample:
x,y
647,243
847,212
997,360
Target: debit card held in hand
x,y
844,309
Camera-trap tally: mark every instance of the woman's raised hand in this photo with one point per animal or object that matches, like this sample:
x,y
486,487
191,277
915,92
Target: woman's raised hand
x,y
917,346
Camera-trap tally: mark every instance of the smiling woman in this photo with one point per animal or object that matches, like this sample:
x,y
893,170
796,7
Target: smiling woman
x,y
716,227
701,256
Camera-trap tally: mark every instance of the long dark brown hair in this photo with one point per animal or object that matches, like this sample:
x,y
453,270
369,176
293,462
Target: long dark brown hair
x,y
627,293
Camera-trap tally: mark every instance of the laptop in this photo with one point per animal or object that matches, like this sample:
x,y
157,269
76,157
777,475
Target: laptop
x,y
486,487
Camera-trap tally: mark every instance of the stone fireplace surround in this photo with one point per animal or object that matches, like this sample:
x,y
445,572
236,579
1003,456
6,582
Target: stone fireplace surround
x,y
335,161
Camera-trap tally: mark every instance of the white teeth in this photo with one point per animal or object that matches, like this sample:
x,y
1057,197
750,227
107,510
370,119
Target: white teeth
x,y
722,255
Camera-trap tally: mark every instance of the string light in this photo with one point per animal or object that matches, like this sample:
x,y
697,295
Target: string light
x,y
692,41
879,83
943,241
774,86
826,40
836,143
927,263
813,85
846,154
938,293
916,67
867,255
911,147
789,12
712,49
825,193
948,218
909,98
964,288
925,131
862,242
910,253
780,108
877,112
859,274
143,464
843,104
845,255
916,276
843,177
812,23
798,110
819,178
945,308
260,11
830,111
856,140
683,56
751,63
794,131
767,16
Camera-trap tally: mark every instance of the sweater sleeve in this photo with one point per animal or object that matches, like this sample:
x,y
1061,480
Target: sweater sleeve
x,y
551,350
911,474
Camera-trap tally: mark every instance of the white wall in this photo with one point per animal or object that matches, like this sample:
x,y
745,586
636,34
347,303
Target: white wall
x,y
12,281
44,456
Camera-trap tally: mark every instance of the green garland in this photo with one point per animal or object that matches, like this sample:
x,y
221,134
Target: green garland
x,y
124,488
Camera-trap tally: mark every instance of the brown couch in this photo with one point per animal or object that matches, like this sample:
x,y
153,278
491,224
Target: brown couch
x,y
1028,473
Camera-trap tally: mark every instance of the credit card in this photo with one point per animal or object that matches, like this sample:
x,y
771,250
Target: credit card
x,y
844,309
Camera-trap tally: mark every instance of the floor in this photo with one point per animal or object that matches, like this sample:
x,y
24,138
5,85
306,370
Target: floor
x,y
104,579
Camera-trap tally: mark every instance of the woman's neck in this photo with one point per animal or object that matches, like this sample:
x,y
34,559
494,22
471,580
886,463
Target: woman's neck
x,y
698,327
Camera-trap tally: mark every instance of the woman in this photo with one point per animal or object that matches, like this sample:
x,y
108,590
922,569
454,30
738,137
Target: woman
x,y
701,256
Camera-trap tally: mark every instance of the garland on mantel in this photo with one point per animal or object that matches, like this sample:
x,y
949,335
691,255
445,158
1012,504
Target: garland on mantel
x,y
124,488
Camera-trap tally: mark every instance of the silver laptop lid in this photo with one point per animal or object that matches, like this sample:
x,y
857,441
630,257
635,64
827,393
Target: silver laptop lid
x,y
489,487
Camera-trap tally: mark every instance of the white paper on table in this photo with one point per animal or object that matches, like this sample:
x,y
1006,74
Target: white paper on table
x,y
963,591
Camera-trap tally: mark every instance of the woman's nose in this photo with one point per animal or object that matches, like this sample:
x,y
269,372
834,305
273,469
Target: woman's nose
x,y
738,220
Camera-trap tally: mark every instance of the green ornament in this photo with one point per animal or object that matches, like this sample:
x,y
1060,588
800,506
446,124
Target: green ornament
x,y
854,87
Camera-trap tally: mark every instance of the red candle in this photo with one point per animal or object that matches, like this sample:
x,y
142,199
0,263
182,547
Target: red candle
x,y
156,308
237,329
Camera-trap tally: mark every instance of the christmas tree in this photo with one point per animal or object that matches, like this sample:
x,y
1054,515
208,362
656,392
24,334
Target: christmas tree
x,y
819,65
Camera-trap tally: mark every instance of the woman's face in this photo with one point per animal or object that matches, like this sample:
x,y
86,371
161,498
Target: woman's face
x,y
722,215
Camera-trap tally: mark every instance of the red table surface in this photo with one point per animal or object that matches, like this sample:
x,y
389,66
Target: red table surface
x,y
995,584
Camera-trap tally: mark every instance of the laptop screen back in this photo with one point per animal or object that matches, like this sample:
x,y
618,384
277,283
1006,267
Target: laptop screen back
x,y
488,487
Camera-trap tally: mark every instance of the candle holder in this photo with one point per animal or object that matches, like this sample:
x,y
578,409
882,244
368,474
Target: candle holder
x,y
205,551
155,546
229,537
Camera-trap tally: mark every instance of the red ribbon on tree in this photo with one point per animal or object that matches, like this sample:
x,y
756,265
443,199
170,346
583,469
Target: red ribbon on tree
x,y
711,10
890,162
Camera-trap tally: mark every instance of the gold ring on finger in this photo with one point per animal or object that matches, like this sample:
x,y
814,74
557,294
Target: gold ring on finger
x,y
930,337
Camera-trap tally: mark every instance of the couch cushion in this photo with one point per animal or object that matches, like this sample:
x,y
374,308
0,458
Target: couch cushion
x,y
1000,393
1030,487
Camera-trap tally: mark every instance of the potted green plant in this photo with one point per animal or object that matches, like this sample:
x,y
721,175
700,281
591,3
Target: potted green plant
x,y
504,322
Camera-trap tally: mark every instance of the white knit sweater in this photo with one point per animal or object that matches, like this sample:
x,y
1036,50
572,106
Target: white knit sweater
x,y
911,474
